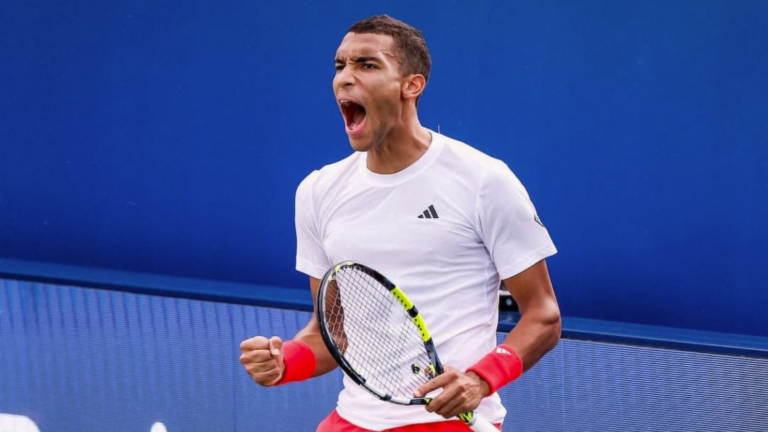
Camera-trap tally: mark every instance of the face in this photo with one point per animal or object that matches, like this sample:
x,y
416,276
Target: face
x,y
368,87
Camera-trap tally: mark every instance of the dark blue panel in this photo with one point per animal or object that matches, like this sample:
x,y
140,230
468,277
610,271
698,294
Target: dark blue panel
x,y
86,360
77,359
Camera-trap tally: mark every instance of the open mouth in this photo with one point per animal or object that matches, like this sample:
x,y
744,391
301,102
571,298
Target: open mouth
x,y
354,115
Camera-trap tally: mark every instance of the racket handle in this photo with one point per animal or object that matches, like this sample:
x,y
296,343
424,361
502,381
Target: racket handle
x,y
477,424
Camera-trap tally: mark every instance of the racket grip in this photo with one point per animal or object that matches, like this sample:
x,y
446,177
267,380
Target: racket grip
x,y
478,424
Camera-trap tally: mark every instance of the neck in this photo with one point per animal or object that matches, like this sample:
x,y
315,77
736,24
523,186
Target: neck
x,y
402,146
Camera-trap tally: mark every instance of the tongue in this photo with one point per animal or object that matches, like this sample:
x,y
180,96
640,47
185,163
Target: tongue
x,y
357,117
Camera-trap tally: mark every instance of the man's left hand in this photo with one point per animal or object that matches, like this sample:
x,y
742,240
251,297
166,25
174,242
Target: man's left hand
x,y
462,392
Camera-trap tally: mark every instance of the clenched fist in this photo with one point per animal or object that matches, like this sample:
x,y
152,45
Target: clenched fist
x,y
263,359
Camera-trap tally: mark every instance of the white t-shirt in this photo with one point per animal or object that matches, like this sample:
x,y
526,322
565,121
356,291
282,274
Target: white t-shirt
x,y
446,229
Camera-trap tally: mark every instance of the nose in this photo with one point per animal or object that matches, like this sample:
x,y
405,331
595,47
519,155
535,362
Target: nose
x,y
344,78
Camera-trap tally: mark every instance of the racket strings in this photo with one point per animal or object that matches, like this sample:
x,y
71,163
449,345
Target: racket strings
x,y
384,331
375,334
406,345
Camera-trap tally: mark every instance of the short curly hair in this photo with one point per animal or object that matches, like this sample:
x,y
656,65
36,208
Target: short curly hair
x,y
410,47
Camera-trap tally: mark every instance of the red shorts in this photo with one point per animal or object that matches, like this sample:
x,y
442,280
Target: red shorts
x,y
334,423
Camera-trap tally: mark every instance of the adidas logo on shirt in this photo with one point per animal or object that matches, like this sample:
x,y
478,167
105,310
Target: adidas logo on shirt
x,y
429,213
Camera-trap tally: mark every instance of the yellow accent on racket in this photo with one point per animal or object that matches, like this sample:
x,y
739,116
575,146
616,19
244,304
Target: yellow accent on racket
x,y
400,296
425,336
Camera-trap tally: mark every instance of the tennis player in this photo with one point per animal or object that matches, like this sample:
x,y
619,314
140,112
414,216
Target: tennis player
x,y
442,219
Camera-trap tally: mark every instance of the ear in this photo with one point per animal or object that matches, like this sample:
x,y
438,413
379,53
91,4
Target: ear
x,y
413,86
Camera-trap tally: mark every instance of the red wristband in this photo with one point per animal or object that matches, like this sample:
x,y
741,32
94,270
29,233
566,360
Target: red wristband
x,y
299,361
499,367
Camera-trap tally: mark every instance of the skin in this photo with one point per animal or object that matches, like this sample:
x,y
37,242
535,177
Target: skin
x,y
368,73
537,332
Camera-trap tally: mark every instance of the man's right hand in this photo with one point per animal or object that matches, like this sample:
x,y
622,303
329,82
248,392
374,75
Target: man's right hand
x,y
263,359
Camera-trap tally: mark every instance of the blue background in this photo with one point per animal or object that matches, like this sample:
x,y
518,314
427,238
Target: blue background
x,y
169,137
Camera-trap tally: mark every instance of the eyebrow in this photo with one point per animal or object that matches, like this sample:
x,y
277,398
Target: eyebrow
x,y
361,59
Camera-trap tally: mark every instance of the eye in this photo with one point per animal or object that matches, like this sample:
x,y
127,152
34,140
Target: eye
x,y
339,67
369,66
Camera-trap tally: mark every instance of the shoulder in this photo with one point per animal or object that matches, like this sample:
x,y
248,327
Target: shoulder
x,y
473,162
322,180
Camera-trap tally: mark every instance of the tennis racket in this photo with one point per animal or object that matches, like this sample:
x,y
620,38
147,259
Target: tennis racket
x,y
378,338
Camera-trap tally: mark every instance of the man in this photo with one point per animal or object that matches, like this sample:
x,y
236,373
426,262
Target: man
x,y
437,216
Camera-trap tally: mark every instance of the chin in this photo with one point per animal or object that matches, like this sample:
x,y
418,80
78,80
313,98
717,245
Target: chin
x,y
360,144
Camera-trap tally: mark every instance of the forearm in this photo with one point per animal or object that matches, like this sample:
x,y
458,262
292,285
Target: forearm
x,y
324,361
537,332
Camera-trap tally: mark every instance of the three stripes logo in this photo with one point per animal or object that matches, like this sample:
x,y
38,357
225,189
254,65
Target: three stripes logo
x,y
429,213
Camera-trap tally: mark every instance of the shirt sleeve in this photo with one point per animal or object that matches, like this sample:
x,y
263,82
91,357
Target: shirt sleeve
x,y
311,259
508,224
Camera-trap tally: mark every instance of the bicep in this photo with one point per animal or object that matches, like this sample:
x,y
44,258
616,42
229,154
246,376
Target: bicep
x,y
539,327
